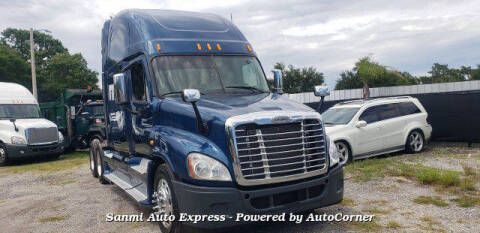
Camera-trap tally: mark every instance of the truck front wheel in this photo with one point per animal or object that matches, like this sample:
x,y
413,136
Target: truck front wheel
x,y
93,161
164,200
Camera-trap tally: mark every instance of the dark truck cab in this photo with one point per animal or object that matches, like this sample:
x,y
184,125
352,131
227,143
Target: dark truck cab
x,y
193,128
79,115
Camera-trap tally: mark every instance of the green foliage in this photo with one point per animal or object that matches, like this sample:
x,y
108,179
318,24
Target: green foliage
x,y
45,45
57,69
65,71
476,73
367,71
441,73
296,80
13,68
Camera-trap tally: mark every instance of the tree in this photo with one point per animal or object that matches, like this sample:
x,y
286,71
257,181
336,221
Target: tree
x,y
65,71
368,73
348,80
12,66
297,80
476,73
45,45
56,68
440,73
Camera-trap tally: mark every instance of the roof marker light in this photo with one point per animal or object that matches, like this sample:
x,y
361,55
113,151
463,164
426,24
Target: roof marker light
x,y
209,47
249,48
159,47
199,47
219,47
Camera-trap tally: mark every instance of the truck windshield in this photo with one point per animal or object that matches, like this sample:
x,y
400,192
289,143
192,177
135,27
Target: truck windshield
x,y
338,116
209,74
18,111
96,110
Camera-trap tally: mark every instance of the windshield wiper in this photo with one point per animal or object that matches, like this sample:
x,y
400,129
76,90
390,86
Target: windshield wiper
x,y
254,89
175,92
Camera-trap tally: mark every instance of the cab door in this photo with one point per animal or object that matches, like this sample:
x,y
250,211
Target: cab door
x,y
369,138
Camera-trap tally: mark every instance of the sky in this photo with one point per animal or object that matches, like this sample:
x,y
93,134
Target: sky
x,y
331,35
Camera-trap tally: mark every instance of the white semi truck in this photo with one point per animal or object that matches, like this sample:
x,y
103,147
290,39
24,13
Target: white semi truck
x,y
22,132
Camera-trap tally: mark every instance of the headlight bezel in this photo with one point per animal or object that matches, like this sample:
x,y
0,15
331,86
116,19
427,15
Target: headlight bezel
x,y
332,152
216,171
60,137
18,140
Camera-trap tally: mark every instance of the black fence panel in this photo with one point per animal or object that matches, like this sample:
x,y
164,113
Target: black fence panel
x,y
454,116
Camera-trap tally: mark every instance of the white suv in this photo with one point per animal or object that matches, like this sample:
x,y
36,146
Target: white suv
x,y
365,128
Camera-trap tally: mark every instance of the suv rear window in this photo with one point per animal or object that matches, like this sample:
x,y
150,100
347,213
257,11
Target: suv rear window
x,y
407,108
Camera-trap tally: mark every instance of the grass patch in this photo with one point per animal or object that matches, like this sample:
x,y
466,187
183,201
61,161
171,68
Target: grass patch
x,y
367,169
53,218
348,202
65,162
430,200
469,171
445,178
393,225
467,184
365,226
467,201
375,210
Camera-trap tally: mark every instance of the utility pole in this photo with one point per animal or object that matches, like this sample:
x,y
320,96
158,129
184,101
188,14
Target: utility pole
x,y
32,62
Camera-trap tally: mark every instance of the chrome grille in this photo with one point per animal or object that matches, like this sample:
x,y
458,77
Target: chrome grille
x,y
36,136
278,150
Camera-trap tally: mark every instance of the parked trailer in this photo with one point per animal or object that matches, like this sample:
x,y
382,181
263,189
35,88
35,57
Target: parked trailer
x,y
192,127
23,133
79,115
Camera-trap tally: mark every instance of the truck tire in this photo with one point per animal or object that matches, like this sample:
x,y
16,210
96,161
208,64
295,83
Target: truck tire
x,y
93,161
3,155
98,151
165,201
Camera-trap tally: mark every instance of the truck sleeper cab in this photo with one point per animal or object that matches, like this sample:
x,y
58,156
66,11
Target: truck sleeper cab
x,y
193,128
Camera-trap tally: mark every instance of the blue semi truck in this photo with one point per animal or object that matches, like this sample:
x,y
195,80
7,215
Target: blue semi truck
x,y
194,129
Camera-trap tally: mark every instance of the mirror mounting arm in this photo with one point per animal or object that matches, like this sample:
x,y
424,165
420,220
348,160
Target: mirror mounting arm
x,y
202,126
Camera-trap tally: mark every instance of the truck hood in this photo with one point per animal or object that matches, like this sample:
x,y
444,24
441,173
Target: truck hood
x,y
23,124
219,108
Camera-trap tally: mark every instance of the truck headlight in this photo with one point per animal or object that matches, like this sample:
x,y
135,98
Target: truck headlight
x,y
332,151
60,137
203,167
18,140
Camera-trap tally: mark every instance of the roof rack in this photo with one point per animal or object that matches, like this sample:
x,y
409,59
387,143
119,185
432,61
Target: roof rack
x,y
369,100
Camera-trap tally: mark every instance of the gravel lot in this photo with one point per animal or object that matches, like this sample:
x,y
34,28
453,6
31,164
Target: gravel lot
x,y
62,196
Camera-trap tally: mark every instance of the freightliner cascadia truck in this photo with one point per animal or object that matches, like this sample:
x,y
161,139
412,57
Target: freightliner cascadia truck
x,y
194,129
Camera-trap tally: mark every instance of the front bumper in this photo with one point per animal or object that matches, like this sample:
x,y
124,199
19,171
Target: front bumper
x,y
307,195
23,151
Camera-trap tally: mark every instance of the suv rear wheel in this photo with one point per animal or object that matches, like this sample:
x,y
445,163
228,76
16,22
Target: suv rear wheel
x,y
415,142
3,155
345,155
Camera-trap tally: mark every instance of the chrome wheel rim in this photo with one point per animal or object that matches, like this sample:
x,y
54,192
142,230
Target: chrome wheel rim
x,y
163,201
92,160
2,154
343,153
99,161
416,141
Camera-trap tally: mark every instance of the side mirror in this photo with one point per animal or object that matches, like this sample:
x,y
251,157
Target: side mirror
x,y
277,81
191,95
321,91
120,89
361,124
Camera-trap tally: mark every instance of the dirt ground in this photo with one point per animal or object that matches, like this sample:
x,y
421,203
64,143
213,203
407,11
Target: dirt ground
x,y
435,191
